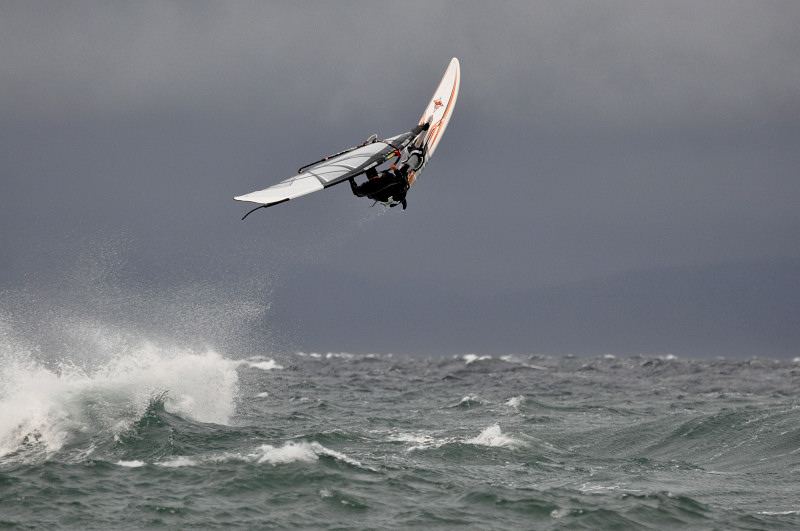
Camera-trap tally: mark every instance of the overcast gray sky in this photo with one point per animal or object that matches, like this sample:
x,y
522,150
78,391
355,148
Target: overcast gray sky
x,y
593,142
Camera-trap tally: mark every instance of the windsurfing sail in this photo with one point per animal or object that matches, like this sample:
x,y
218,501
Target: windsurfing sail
x,y
355,161
330,171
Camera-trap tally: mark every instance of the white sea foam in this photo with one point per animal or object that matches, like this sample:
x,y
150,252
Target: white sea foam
x,y
515,401
288,453
263,364
178,461
469,400
421,441
47,406
291,452
263,394
472,358
779,513
297,452
339,355
131,464
493,436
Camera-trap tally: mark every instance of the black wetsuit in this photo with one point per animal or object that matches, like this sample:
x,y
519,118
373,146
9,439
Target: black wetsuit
x,y
388,184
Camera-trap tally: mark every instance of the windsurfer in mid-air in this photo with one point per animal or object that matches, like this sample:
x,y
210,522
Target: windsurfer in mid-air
x,y
390,165
390,186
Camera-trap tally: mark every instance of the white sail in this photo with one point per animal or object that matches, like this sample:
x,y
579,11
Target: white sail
x,y
323,174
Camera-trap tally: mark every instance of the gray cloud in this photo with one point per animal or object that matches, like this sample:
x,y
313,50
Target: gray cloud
x,y
590,139
621,63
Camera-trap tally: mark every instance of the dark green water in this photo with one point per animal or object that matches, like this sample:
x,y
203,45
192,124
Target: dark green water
x,y
171,438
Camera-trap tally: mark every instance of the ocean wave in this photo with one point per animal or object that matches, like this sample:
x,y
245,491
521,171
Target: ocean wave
x,y
469,401
511,358
131,464
494,437
490,437
586,488
422,441
515,401
328,355
261,363
347,356
48,407
178,461
290,452
472,358
295,451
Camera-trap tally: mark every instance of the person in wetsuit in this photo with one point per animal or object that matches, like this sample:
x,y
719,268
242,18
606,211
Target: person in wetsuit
x,y
389,186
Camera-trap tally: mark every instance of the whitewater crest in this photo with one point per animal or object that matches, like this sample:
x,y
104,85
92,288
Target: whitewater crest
x,y
298,451
515,401
46,407
472,358
290,452
512,359
131,464
261,363
469,401
493,436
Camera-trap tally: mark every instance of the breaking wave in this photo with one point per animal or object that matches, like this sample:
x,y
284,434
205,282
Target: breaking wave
x,y
472,358
493,436
261,363
490,437
469,401
515,401
290,452
297,451
44,408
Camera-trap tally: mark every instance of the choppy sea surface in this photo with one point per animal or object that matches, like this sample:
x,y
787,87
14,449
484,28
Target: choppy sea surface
x,y
166,437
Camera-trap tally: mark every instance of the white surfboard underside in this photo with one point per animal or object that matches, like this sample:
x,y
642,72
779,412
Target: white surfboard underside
x,y
440,108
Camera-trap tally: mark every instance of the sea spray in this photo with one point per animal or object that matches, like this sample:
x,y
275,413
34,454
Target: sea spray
x,y
493,436
46,407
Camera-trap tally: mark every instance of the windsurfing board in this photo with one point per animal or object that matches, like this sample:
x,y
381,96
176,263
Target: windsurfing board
x,y
439,111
